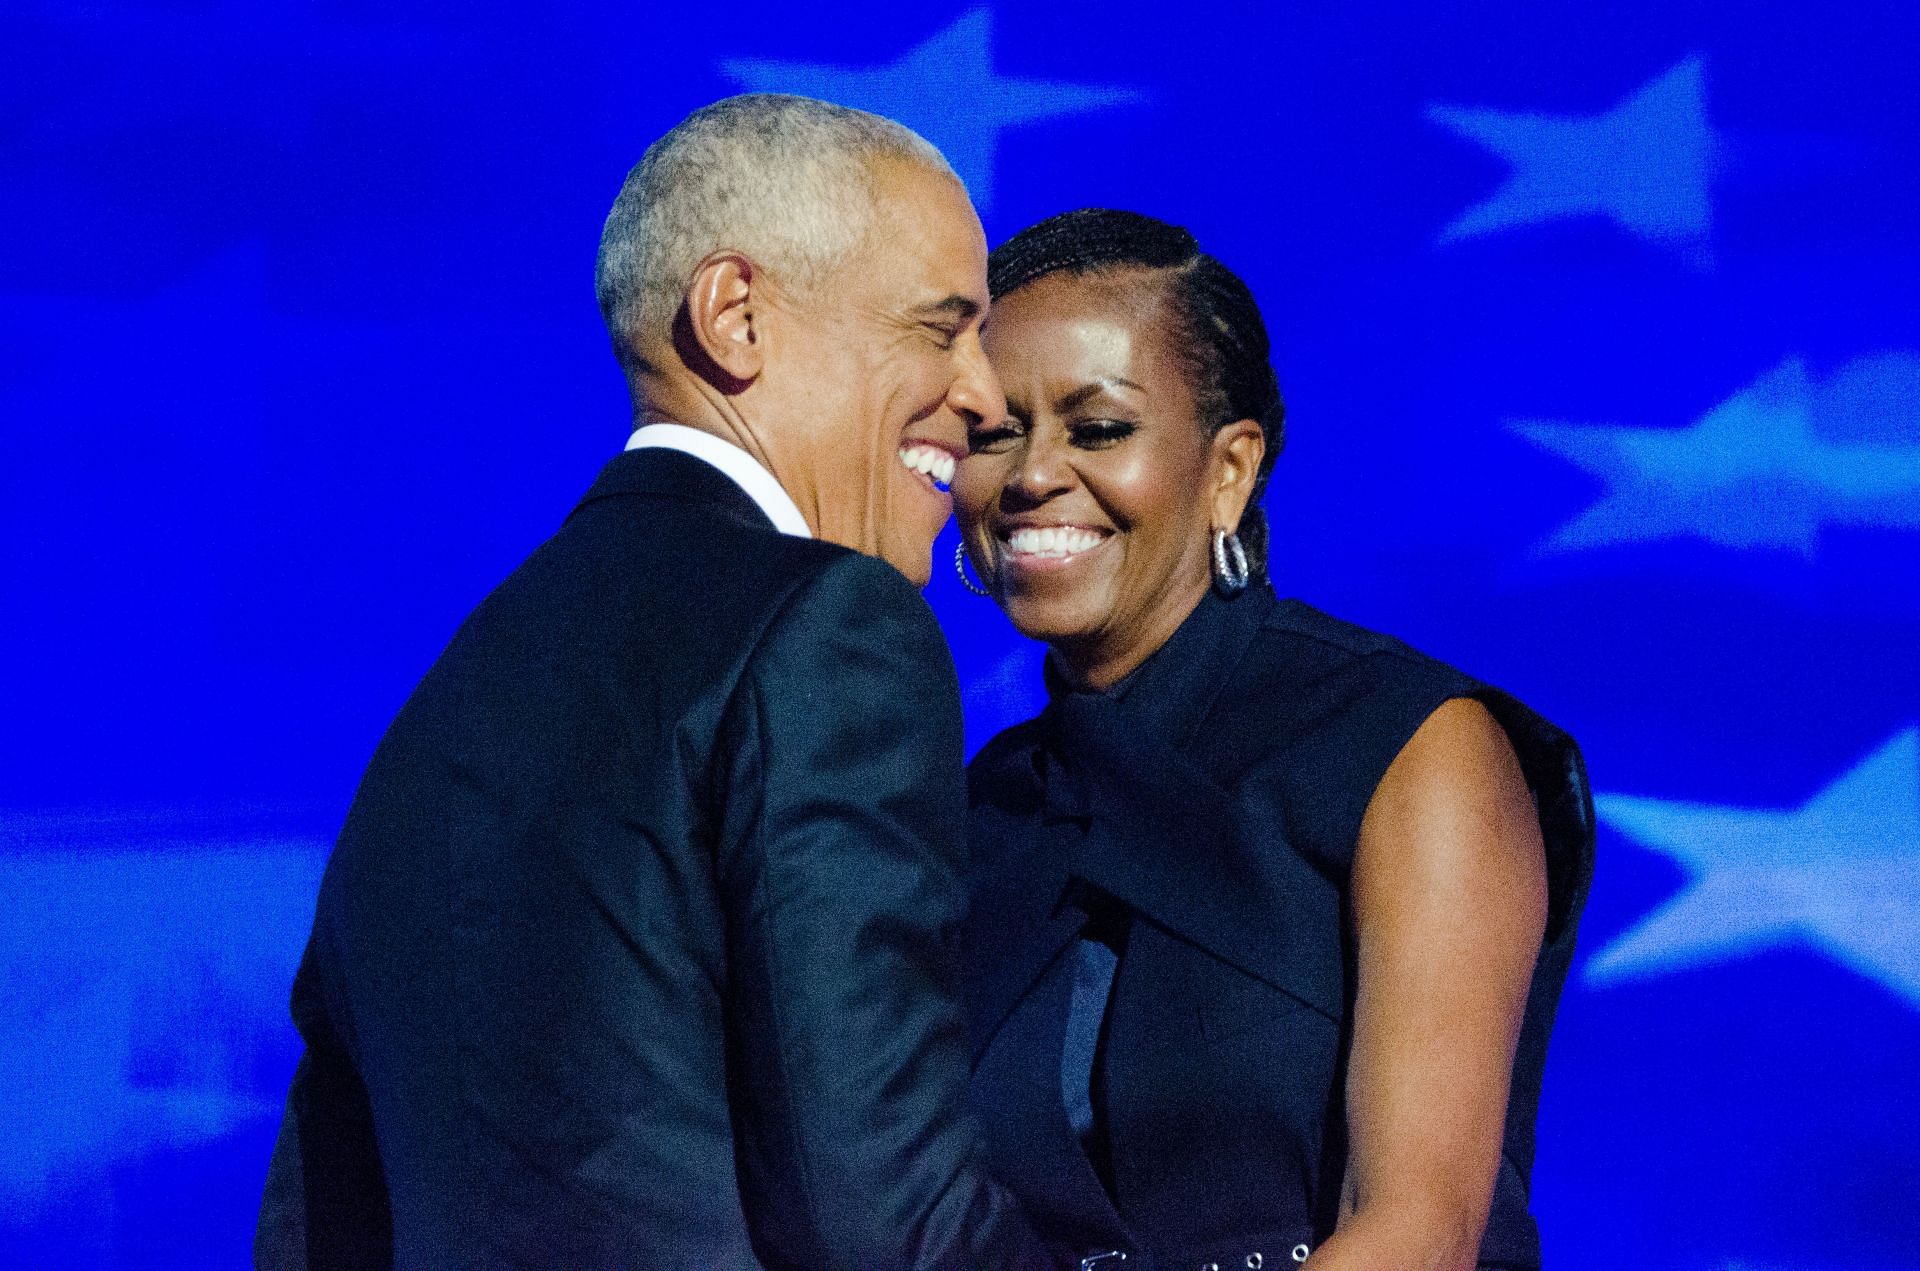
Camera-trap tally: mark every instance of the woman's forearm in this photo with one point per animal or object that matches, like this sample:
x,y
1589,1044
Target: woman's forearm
x,y
1401,1240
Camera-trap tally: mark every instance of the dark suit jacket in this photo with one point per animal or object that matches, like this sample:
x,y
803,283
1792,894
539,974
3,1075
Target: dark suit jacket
x,y
636,948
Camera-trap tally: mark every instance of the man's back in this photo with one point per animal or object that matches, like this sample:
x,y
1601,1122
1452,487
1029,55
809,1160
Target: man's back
x,y
635,939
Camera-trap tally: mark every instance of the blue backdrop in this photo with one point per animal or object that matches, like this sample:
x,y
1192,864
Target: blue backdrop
x,y
1600,326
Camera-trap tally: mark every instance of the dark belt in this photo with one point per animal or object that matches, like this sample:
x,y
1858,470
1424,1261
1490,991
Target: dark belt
x,y
1252,1260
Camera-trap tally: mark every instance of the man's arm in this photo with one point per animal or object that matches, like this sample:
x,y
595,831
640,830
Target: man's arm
x,y
325,1202
842,841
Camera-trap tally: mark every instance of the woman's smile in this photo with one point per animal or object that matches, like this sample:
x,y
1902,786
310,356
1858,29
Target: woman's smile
x,y
1042,548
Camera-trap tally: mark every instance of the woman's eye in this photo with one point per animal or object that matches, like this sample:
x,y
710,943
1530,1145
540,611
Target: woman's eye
x,y
1094,434
983,440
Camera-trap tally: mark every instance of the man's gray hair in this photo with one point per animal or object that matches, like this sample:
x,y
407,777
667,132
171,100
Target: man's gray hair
x,y
787,181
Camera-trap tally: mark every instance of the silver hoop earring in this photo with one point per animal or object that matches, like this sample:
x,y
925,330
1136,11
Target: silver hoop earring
x,y
1230,572
960,568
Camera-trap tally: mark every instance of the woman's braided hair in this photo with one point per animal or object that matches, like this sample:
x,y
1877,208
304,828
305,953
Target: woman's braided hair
x,y
1221,338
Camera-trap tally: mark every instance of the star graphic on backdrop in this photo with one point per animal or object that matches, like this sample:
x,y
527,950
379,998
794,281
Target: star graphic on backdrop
x,y
1765,468
945,89
145,961
1648,164
1840,873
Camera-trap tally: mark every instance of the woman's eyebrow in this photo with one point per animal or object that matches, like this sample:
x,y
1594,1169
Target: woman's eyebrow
x,y
1080,396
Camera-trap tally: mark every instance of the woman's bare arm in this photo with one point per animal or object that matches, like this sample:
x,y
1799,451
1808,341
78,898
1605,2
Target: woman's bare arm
x,y
1450,901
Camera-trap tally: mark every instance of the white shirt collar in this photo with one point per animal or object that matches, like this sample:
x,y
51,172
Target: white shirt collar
x,y
734,463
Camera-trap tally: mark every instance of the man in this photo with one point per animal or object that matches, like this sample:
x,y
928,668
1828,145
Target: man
x,y
634,950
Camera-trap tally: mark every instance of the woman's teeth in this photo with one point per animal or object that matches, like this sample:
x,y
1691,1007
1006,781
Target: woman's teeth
x,y
931,462
1054,540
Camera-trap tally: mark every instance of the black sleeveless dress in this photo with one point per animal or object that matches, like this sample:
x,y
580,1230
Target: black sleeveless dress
x,y
1177,853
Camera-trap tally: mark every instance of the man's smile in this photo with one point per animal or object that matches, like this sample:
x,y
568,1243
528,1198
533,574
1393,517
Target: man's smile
x,y
933,464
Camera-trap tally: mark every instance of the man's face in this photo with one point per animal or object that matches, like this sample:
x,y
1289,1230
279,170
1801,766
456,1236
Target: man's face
x,y
885,373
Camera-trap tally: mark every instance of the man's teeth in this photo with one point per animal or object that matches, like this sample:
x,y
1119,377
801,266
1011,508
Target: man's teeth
x,y
1054,540
930,462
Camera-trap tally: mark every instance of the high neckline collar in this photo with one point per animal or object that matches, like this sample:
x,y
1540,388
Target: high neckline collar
x,y
1174,688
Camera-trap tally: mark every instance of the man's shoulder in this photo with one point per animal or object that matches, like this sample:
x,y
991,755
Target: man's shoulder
x,y
669,592
844,615
665,559
672,600
852,669
664,514
829,580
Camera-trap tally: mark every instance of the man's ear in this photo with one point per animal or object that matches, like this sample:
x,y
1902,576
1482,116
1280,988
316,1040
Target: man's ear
x,y
1237,451
724,316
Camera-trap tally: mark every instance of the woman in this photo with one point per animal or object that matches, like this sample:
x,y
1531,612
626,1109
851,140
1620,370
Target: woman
x,y
1272,911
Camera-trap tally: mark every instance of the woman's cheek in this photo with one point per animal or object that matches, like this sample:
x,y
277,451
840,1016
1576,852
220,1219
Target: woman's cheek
x,y
973,484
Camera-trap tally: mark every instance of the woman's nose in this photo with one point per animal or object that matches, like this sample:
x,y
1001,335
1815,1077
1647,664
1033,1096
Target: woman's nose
x,y
1040,470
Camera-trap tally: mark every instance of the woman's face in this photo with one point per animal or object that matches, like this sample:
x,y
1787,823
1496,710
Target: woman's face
x,y
1090,508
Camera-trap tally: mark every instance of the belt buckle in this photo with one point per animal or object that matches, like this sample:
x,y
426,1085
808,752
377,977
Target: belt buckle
x,y
1102,1261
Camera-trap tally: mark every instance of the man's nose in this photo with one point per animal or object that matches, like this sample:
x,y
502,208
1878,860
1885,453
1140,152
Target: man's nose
x,y
976,392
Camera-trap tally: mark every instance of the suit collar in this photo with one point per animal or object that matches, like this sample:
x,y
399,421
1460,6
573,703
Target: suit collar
x,y
740,467
671,474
